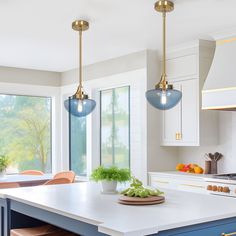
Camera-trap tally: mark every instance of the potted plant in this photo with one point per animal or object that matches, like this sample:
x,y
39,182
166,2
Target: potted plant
x,y
109,176
4,163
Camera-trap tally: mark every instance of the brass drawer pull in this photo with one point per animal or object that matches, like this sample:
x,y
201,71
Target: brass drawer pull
x,y
230,234
192,185
178,136
161,182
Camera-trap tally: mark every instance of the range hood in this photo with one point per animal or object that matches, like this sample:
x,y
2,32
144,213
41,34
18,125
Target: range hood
x,y
219,90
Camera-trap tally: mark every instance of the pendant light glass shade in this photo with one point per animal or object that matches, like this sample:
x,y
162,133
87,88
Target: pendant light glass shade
x,y
164,97
78,107
79,104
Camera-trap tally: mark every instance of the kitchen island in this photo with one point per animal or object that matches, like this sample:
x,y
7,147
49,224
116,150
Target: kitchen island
x,y
81,208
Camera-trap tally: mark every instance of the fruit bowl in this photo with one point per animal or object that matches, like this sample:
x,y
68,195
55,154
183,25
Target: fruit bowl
x,y
190,168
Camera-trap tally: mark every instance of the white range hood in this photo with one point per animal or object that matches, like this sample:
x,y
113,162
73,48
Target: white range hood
x,y
219,90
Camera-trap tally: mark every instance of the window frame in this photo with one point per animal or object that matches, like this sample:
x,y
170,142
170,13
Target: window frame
x,y
51,131
43,91
100,123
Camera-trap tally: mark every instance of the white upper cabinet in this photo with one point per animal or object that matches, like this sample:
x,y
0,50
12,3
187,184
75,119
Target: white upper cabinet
x,y
186,124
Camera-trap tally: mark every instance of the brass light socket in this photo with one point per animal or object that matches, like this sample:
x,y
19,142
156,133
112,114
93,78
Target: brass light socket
x,y
164,6
80,25
163,86
80,94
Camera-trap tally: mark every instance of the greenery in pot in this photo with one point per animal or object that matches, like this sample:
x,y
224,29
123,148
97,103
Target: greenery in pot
x,y
112,173
4,163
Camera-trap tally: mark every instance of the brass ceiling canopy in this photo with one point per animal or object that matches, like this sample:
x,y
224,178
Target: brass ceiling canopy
x,y
164,6
80,25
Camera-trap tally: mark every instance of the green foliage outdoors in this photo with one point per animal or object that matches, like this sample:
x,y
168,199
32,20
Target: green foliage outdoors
x,y
78,145
115,148
4,162
25,137
137,189
112,173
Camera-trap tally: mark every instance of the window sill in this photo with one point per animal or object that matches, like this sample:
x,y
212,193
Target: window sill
x,y
81,179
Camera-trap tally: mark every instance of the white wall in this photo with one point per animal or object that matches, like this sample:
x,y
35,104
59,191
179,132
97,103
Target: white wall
x,y
27,76
226,145
107,68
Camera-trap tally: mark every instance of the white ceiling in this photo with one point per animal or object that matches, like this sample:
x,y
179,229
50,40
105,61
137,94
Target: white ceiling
x,y
37,34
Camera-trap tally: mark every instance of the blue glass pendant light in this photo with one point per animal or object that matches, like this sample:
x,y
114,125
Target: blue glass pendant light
x,y
79,104
164,97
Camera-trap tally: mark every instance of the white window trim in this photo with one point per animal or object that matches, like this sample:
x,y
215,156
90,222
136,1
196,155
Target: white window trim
x,y
137,82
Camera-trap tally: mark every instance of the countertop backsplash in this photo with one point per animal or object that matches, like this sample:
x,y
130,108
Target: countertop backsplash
x,y
226,146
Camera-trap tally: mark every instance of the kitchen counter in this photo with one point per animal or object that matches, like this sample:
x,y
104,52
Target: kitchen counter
x,y
84,203
182,174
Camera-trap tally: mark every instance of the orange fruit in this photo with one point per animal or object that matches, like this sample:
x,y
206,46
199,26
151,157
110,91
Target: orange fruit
x,y
193,165
180,166
198,170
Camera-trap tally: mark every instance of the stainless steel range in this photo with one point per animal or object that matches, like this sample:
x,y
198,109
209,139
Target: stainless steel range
x,y
222,184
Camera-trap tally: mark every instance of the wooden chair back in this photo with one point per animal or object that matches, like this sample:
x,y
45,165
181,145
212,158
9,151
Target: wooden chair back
x,y
57,181
31,172
9,185
65,174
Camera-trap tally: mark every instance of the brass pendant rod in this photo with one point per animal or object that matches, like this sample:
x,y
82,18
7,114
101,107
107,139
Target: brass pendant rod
x,y
164,6
80,60
164,47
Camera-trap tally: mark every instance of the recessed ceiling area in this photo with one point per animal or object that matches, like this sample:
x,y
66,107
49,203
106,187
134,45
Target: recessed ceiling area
x,y
37,34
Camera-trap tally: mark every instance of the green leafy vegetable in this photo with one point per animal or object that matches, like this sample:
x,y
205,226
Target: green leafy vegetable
x,y
111,174
4,162
137,189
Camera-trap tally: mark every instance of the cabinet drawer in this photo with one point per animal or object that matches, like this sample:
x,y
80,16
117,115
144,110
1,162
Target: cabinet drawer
x,y
217,228
180,67
192,186
212,231
159,182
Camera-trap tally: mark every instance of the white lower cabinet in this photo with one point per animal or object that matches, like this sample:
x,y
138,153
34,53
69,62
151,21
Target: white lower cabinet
x,y
182,182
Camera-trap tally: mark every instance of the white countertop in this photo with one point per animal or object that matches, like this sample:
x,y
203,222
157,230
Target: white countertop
x,y
84,202
24,178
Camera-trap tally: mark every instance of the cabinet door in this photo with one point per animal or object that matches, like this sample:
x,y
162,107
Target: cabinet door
x,y
171,122
181,123
190,113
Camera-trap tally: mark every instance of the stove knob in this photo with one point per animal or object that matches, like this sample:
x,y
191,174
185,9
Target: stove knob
x,y
220,189
214,188
226,190
209,187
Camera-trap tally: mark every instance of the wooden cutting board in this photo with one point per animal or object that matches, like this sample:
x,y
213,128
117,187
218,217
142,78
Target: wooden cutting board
x,y
141,201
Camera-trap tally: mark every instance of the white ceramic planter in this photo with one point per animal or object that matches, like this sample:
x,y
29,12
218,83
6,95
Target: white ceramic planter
x,y
109,186
2,174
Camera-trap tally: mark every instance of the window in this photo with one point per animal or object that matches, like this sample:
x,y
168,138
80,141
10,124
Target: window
x,y
77,144
115,127
25,136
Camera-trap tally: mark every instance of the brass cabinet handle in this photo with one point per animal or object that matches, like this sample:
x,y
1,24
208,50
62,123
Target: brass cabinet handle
x,y
230,234
161,182
192,185
178,136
